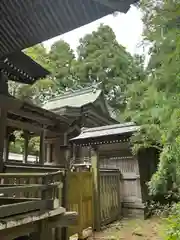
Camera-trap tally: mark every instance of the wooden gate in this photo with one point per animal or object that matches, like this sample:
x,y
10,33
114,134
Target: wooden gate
x,y
110,204
80,199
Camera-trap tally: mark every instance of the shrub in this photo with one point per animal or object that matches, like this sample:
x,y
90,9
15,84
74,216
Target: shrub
x,y
173,223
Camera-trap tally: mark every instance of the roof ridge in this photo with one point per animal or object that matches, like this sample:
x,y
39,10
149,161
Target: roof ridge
x,y
120,125
75,93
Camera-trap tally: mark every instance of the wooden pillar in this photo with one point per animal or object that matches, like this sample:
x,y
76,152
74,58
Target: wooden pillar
x,y
44,232
26,146
96,188
48,153
6,148
42,147
68,157
3,118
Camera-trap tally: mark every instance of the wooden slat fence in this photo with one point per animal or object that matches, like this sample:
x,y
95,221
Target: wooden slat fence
x,y
110,204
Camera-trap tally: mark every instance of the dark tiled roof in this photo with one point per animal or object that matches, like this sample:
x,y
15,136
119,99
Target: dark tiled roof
x,y
116,129
24,23
21,68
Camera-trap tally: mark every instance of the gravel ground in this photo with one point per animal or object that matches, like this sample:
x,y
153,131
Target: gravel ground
x,y
131,229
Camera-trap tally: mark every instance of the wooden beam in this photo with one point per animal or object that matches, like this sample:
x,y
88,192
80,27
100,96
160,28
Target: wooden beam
x,y
13,189
34,116
23,229
31,217
24,207
24,126
9,103
46,172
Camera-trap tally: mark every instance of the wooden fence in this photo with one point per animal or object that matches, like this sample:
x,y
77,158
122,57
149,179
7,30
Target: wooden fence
x,y
77,195
80,199
110,204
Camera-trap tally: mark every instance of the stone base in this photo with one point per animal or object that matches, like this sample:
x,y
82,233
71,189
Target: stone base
x,y
132,209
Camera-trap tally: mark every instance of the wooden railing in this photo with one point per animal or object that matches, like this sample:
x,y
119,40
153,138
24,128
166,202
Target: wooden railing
x,y
11,167
26,192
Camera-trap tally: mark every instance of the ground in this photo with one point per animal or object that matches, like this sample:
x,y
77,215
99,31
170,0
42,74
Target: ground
x,y
134,229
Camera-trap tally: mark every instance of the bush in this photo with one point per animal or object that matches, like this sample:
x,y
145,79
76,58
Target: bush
x,y
157,209
161,204
173,223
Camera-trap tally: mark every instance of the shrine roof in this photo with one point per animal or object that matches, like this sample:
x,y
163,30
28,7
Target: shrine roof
x,y
21,68
76,99
116,129
26,23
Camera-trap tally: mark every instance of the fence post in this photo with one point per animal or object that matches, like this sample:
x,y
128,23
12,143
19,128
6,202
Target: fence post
x,y
64,230
119,191
96,188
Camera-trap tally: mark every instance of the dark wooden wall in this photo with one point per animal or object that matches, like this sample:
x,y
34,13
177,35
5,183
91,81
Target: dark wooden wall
x,y
148,161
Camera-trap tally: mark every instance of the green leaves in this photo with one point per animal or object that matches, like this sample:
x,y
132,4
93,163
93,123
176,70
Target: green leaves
x,y
154,103
101,59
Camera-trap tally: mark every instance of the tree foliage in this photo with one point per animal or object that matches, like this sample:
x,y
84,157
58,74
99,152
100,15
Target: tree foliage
x,y
103,61
154,103
99,60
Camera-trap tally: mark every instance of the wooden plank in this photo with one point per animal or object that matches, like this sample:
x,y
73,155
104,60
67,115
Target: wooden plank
x,y
130,176
25,188
9,200
27,175
134,205
31,168
26,218
19,208
64,219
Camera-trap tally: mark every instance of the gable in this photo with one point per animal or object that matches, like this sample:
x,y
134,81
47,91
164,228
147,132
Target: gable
x,y
102,105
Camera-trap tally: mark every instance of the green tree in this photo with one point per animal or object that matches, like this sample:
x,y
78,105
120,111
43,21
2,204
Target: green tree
x,y
154,103
103,61
62,59
43,88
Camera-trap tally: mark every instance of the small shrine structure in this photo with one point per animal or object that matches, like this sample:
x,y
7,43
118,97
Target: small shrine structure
x,y
113,151
83,108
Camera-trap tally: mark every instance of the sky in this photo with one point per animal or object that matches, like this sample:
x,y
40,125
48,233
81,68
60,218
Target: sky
x,y
127,27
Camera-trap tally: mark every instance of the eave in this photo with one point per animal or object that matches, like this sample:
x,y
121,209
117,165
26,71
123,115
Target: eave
x,y
24,23
21,68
